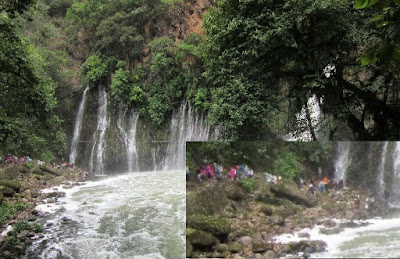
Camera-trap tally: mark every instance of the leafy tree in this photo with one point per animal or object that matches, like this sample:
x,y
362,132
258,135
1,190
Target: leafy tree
x,y
259,54
28,123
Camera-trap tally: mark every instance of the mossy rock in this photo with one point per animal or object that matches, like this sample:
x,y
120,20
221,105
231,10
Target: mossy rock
x,y
235,247
293,194
263,194
218,226
235,191
267,209
287,209
6,191
221,248
189,249
13,184
203,201
200,238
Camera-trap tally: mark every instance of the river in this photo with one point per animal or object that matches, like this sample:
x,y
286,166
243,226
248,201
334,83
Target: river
x,y
134,215
379,239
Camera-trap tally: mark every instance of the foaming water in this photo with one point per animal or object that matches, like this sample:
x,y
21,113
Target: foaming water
x,y
381,238
135,215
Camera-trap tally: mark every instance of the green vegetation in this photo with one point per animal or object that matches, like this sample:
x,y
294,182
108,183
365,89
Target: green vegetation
x,y
7,211
25,225
254,68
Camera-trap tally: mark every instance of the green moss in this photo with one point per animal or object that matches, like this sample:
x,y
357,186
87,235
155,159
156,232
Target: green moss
x,y
247,184
13,184
200,238
216,225
234,191
267,209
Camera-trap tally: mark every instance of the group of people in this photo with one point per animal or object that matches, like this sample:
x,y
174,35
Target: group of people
x,y
216,171
314,186
9,159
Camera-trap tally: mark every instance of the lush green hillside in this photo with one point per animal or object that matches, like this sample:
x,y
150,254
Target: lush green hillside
x,y
253,66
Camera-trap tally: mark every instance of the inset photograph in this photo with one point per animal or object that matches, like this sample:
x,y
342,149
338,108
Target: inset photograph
x,y
285,199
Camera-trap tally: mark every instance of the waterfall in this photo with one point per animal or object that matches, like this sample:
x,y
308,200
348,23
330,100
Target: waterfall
x,y
395,193
130,140
186,125
381,173
102,124
78,127
342,161
308,121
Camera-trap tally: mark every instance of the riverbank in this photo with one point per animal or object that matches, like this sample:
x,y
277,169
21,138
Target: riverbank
x,y
245,218
21,188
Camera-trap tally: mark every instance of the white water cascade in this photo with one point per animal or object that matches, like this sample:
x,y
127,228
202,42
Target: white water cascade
x,y
342,161
381,172
130,139
394,199
307,121
186,125
102,124
78,127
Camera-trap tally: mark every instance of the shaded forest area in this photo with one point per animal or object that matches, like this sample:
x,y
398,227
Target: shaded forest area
x,y
251,65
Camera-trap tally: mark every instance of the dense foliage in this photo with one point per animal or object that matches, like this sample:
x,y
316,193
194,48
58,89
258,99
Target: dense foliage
x,y
259,52
255,67
28,123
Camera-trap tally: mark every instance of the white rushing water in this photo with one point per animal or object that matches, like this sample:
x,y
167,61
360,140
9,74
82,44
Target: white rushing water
x,y
379,239
343,160
381,172
394,198
135,215
309,118
99,138
78,127
130,139
186,125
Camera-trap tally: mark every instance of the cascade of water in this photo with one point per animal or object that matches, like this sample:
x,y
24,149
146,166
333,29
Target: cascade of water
x,y
102,124
342,161
78,127
130,139
308,121
381,173
395,193
186,125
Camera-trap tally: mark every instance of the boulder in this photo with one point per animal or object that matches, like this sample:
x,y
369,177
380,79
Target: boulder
x,y
13,184
189,249
7,191
218,226
292,194
330,231
200,238
50,171
234,191
210,199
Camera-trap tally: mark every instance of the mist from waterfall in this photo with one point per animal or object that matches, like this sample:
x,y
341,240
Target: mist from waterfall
x,y
186,125
78,127
129,138
342,161
99,144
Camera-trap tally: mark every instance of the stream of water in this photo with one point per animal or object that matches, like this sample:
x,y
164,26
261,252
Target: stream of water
x,y
134,215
